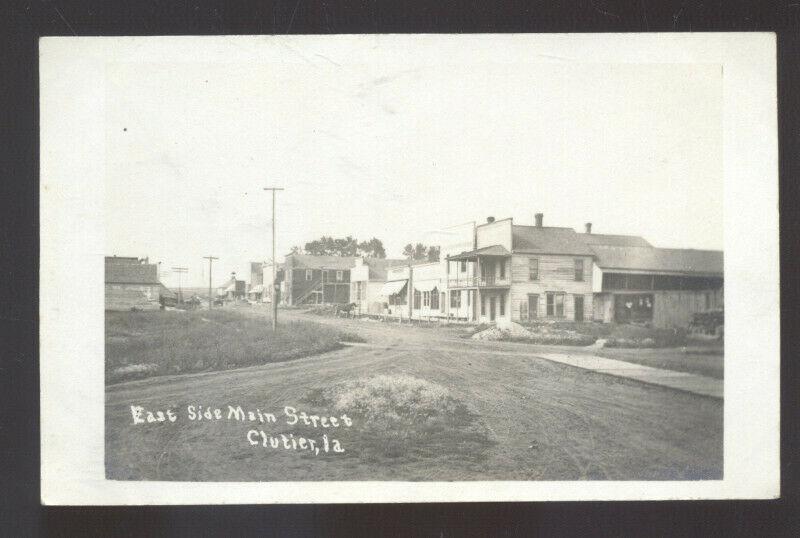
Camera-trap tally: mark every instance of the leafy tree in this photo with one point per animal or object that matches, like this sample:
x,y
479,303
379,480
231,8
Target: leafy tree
x,y
372,248
296,250
320,247
416,252
433,253
347,246
343,246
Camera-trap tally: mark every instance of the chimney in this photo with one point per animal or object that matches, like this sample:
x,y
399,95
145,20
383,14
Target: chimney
x,y
489,220
588,227
539,217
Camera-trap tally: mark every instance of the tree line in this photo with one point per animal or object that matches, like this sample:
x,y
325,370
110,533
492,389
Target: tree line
x,y
373,248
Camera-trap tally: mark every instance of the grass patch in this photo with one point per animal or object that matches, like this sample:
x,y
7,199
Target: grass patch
x,y
144,344
406,419
617,335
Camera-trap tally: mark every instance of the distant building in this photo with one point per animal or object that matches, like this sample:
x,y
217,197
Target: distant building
x,y
132,284
308,279
427,294
367,279
233,289
256,290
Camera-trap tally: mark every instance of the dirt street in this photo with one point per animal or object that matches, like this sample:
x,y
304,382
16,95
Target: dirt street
x,y
546,421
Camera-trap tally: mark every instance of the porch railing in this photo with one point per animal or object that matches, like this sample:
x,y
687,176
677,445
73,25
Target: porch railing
x,y
478,282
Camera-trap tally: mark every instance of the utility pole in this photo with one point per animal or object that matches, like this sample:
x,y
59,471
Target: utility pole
x,y
274,262
210,261
180,271
410,285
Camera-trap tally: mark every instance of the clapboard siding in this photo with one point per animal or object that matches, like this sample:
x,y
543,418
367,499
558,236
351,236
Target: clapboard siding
x,y
556,274
676,308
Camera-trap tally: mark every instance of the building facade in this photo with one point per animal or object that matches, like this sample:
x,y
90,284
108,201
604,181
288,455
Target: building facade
x,y
132,284
523,273
255,291
423,299
308,279
233,289
635,282
367,279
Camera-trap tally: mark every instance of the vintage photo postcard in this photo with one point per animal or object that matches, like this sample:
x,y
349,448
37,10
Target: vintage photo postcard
x,y
385,268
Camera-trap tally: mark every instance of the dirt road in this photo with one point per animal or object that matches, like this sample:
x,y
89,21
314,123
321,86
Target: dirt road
x,y
546,421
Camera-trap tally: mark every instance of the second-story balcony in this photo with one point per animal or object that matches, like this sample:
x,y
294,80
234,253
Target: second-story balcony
x,y
479,282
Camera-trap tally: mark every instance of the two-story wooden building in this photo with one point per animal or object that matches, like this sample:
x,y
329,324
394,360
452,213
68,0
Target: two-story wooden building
x,y
308,279
521,273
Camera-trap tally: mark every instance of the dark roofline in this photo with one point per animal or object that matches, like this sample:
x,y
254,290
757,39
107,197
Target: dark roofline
x,y
561,253
669,272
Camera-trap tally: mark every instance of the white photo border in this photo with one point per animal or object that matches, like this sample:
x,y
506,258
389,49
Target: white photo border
x,y
72,137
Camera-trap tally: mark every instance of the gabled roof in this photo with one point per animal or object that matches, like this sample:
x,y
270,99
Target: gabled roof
x,y
660,260
378,267
494,250
548,240
615,240
130,273
308,261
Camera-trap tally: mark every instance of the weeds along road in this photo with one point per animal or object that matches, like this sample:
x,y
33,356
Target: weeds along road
x,y
543,420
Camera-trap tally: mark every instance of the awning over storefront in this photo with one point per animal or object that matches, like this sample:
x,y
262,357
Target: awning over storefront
x,y
392,288
426,285
494,250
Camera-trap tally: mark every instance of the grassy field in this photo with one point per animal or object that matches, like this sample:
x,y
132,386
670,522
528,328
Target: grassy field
x,y
422,405
144,344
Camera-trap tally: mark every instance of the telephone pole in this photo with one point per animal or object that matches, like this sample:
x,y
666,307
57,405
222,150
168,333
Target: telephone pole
x,y
180,271
274,268
210,261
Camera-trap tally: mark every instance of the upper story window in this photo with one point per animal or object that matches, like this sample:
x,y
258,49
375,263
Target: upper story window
x,y
502,269
578,270
426,298
309,274
533,268
463,266
339,275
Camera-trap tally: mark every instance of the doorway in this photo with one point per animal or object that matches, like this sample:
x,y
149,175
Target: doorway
x,y
492,300
533,306
578,307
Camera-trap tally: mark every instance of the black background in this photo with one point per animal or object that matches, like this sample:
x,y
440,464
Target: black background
x,y
22,22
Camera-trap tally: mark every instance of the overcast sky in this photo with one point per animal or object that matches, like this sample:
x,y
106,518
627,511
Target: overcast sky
x,y
401,149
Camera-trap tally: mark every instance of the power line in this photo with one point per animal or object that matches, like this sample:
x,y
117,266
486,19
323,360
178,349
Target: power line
x,y
180,271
